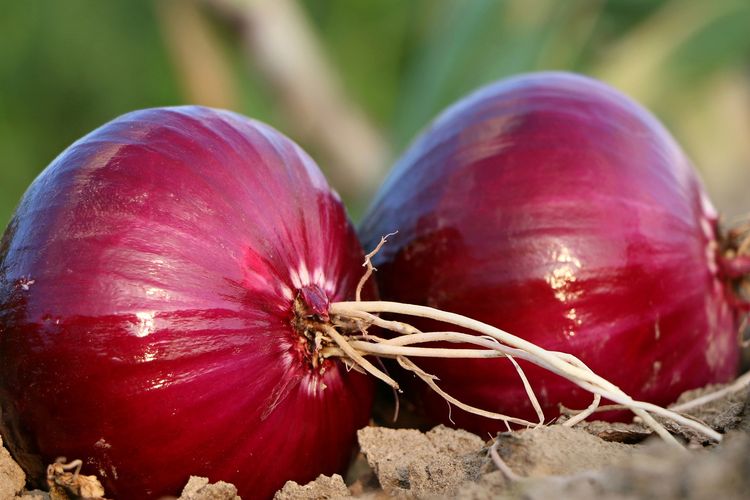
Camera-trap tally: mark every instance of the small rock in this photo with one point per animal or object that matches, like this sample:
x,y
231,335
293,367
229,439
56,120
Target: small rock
x,y
721,473
198,488
323,488
557,449
653,470
732,411
618,432
410,463
33,495
12,478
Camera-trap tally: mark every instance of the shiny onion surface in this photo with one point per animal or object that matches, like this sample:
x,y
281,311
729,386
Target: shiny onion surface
x,y
150,283
555,208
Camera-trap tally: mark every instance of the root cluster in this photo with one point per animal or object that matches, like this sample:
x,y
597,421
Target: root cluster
x,y
355,317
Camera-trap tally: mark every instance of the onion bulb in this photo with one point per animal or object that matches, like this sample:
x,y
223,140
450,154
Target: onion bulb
x,y
155,284
555,208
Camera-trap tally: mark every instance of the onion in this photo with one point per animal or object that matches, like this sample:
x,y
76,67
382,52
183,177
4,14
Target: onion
x,y
156,282
555,208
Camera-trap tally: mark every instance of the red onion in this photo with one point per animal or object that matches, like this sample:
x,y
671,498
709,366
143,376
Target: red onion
x,y
557,209
154,283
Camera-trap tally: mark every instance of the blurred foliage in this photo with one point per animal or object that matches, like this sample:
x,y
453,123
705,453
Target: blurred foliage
x,y
67,67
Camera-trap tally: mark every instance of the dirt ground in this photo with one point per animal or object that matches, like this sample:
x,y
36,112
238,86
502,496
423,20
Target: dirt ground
x,y
594,460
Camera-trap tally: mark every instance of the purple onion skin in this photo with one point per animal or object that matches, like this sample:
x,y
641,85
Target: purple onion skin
x,y
559,210
146,288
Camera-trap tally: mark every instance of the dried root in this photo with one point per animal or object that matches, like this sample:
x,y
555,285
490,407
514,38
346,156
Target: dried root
x,y
368,265
66,485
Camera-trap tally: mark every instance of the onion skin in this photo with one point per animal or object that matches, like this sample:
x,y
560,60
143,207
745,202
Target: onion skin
x,y
557,209
147,281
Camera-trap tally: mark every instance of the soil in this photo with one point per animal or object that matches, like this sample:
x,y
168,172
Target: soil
x,y
12,478
593,460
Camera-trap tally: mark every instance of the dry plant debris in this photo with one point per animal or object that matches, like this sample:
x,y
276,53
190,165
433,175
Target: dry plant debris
x,y
65,482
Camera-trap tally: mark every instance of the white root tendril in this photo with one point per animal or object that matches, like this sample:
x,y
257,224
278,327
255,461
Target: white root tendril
x,y
562,364
357,357
529,390
582,415
501,465
398,347
368,264
742,382
430,381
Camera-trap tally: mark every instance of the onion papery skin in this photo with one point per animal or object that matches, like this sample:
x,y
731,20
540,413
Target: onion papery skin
x,y
556,208
146,287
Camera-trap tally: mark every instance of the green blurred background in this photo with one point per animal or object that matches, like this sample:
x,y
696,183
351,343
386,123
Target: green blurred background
x,y
353,81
